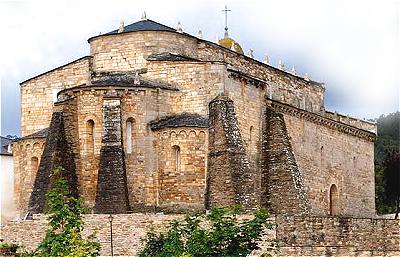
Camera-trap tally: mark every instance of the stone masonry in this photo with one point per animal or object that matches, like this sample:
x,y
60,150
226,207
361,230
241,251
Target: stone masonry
x,y
284,192
57,153
112,191
228,166
298,236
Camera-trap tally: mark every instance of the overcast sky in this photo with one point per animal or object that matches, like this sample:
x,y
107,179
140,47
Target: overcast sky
x,y
353,46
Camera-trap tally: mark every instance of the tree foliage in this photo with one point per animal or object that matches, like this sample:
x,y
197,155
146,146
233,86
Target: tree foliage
x,y
217,234
387,140
63,238
387,145
392,181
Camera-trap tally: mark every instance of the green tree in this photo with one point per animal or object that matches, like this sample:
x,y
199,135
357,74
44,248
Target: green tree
x,y
63,238
217,234
392,182
387,142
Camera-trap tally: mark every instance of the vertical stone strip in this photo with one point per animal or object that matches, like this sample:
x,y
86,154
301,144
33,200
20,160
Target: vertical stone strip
x,y
57,152
230,180
112,189
283,188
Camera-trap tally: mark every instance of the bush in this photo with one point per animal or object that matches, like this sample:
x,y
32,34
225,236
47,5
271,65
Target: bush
x,y
63,238
217,234
8,248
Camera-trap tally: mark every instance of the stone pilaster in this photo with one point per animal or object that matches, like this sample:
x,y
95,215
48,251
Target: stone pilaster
x,y
112,190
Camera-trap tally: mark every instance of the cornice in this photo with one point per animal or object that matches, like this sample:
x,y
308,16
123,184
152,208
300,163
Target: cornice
x,y
320,120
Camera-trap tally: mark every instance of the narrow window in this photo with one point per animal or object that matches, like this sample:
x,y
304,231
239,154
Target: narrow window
x,y
34,164
34,167
130,134
333,200
177,157
322,156
251,138
90,136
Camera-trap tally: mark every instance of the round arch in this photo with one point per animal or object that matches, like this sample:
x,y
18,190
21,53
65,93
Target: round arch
x,y
333,200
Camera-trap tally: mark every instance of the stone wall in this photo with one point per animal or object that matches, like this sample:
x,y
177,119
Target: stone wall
x,y
297,236
326,157
198,83
139,107
338,236
27,154
180,178
39,93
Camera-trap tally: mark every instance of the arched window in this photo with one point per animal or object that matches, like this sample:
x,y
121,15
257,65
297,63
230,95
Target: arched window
x,y
90,136
176,151
34,167
130,134
333,200
34,164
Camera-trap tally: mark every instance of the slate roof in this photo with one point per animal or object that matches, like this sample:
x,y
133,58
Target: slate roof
x,y
144,25
180,120
125,79
39,134
169,57
4,142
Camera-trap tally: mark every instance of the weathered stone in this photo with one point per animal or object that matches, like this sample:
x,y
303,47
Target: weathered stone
x,y
57,153
112,190
230,181
283,187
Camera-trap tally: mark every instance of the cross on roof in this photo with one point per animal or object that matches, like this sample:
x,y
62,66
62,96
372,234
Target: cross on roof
x,y
226,20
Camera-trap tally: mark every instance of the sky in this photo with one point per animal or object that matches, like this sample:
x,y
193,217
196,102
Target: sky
x,y
351,45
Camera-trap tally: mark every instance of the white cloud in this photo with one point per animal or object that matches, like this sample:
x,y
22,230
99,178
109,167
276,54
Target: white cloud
x,y
352,45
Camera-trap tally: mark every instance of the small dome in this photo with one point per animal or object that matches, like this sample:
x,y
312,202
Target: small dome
x,y
228,42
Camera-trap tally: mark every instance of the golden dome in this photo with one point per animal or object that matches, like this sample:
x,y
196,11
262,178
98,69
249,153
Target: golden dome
x,y
229,43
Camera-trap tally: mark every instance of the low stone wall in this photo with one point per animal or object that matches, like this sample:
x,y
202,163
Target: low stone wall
x,y
128,230
298,236
338,236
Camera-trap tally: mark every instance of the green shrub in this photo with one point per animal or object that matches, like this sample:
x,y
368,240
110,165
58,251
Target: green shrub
x,y
217,234
63,238
12,247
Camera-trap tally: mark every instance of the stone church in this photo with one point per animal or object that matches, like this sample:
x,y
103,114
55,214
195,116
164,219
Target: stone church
x,y
155,119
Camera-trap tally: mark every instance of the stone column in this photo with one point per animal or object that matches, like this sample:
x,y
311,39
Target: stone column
x,y
112,190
